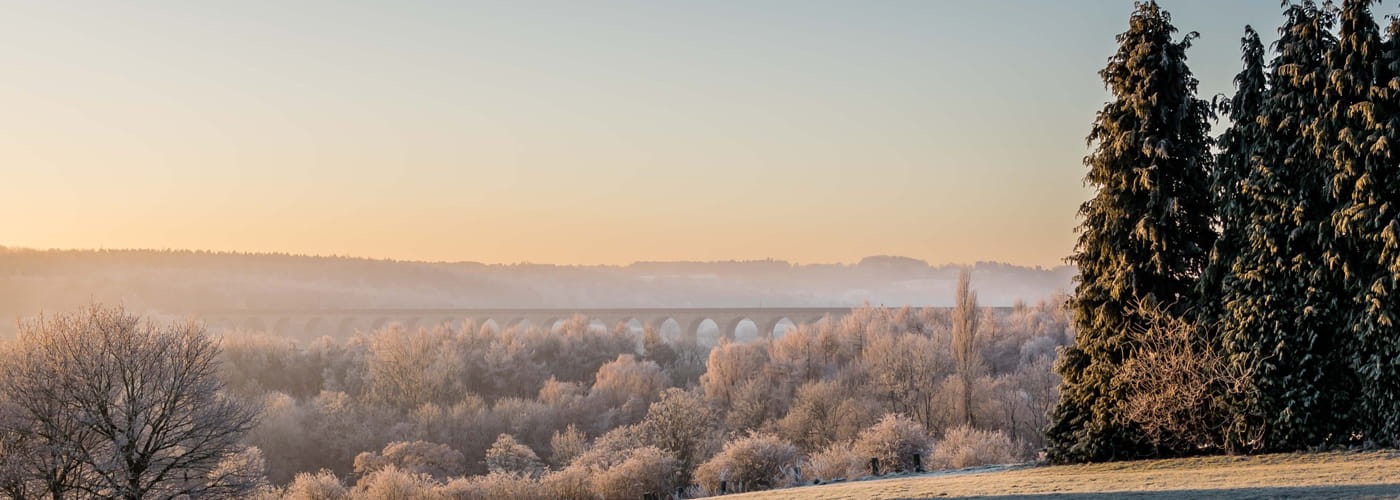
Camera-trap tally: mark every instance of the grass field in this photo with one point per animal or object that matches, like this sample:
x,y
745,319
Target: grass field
x,y
1370,474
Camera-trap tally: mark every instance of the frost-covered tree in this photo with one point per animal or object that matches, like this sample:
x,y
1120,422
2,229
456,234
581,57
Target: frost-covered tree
x,y
408,368
683,424
905,371
730,366
1283,304
322,485
1145,234
508,455
418,457
966,345
824,412
1360,126
565,445
34,460
142,407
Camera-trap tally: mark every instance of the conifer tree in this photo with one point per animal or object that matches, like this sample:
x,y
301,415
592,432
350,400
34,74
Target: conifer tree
x,y
1146,233
1284,306
1359,128
1238,146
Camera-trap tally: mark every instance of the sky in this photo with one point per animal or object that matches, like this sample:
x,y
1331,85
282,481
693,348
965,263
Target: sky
x,y
567,132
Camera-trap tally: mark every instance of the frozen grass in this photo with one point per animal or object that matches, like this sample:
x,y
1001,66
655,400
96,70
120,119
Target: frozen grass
x,y
1370,474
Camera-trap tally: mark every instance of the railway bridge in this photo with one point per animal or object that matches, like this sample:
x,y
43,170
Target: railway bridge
x,y
688,322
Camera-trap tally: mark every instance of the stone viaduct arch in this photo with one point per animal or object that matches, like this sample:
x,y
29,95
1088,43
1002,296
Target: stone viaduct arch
x,y
310,324
307,325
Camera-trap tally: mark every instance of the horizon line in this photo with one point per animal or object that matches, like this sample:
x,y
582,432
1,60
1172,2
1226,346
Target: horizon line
x,y
266,253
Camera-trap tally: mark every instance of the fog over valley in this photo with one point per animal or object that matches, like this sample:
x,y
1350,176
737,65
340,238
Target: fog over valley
x,y
184,283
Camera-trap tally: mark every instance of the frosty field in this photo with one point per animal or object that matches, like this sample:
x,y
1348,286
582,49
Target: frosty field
x,y
1372,474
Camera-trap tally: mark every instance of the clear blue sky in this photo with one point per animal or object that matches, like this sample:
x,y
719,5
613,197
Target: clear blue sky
x,y
566,132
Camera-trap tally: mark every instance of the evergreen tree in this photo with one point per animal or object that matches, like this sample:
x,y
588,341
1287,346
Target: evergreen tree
x,y
1284,307
1238,146
1359,126
1145,235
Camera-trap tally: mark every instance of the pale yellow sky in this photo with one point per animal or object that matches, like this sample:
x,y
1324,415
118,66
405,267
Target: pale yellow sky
x,y
557,132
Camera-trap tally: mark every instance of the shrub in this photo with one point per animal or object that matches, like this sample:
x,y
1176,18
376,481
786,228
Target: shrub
x,y
894,441
571,483
1173,386
837,461
319,486
266,493
392,483
496,485
751,463
967,447
646,469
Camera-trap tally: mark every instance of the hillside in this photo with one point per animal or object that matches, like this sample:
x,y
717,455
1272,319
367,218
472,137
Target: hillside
x,y
179,282
1374,474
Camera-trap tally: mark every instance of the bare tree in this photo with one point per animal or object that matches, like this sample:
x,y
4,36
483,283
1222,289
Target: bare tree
x,y
967,353
35,460
904,371
139,407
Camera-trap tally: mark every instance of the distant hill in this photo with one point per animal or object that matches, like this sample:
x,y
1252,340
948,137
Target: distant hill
x,y
175,281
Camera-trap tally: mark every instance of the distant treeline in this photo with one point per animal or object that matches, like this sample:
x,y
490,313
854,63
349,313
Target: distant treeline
x,y
162,282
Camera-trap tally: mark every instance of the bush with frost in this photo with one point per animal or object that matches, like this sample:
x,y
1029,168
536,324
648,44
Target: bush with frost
x,y
750,463
967,447
893,441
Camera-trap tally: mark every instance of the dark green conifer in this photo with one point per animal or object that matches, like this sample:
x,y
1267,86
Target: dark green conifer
x,y
1237,147
1358,129
1284,305
1146,233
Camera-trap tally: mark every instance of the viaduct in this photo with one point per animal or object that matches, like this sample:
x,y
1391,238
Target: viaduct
x,y
307,324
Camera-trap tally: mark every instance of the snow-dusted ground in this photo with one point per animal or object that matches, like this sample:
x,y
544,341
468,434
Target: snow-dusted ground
x,y
1370,474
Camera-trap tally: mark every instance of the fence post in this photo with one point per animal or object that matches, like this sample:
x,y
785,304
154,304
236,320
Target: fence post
x,y
874,466
918,463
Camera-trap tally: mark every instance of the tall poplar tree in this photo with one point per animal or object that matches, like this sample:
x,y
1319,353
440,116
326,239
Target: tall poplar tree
x,y
1238,145
1359,127
1284,307
1144,236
